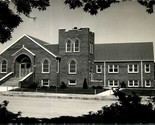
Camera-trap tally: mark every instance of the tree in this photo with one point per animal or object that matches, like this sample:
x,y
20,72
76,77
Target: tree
x,y
5,115
9,20
94,6
85,86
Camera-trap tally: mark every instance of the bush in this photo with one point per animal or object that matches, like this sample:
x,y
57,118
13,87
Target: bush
x,y
5,115
85,86
63,85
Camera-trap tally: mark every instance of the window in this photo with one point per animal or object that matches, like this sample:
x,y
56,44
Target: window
x,y
72,82
147,83
133,68
72,67
113,83
113,68
147,68
91,48
45,82
77,45
68,46
3,66
98,68
133,83
45,66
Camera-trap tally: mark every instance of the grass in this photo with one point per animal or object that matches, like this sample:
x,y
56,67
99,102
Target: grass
x,y
69,90
140,91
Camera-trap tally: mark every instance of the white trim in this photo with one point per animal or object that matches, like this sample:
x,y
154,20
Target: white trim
x,y
66,41
12,44
72,84
75,66
78,45
23,47
141,63
32,41
42,82
97,67
42,65
6,76
133,67
113,68
25,77
148,67
6,66
113,82
133,83
146,83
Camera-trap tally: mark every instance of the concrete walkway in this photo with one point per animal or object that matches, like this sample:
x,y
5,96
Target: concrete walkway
x,y
101,96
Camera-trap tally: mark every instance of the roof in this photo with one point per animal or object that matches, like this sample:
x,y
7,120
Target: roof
x,y
51,47
124,51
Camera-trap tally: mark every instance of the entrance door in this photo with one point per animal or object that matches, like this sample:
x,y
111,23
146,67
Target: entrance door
x,y
24,69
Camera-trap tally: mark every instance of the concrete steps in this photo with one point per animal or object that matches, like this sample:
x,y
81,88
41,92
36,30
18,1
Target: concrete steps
x,y
11,82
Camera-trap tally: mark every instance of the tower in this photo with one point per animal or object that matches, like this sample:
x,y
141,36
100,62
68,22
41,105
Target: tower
x,y
76,49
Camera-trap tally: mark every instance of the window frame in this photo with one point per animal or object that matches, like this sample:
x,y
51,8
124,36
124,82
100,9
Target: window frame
x,y
149,83
113,82
69,66
133,68
43,66
68,40
113,68
97,67
72,84
145,67
133,83
76,40
6,66
48,82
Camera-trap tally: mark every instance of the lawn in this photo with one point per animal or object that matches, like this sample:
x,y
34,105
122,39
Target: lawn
x,y
69,90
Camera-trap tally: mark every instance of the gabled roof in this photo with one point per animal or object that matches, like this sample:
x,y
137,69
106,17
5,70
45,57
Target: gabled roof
x,y
36,41
124,51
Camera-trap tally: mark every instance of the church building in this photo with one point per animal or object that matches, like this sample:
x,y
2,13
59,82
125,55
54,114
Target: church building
x,y
75,58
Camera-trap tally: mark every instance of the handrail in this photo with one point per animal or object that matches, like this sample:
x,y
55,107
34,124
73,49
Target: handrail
x,y
6,76
26,77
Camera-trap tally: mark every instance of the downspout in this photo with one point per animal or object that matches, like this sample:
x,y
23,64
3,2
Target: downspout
x,y
141,74
104,75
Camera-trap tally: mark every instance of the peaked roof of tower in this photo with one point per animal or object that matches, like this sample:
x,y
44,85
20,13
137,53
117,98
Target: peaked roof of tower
x,y
124,51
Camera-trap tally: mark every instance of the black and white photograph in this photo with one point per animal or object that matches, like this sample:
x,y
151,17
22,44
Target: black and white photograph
x,y
77,61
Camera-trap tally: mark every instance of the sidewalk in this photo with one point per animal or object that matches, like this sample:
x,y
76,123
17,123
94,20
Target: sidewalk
x,y
101,96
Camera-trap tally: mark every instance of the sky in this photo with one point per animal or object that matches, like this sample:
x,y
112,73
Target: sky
x,y
122,22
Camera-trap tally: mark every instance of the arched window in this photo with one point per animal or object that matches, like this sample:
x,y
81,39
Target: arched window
x,y
45,66
72,67
68,46
3,66
76,45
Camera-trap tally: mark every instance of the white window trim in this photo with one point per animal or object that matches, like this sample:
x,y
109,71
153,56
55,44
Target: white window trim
x,y
42,64
66,45
78,44
75,67
113,67
98,68
146,83
149,68
42,84
6,66
133,66
72,84
133,83
113,83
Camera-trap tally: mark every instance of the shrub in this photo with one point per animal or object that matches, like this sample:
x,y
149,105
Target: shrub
x,y
85,86
63,85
